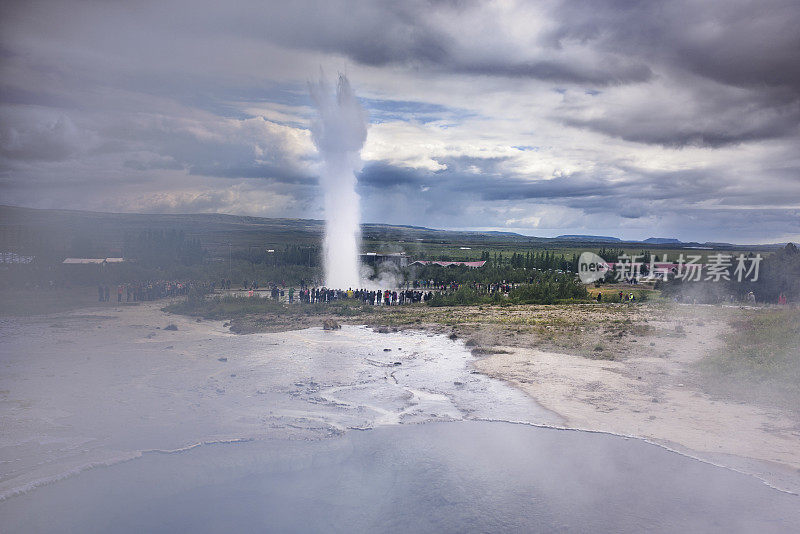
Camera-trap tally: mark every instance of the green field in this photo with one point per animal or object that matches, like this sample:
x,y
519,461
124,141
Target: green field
x,y
762,350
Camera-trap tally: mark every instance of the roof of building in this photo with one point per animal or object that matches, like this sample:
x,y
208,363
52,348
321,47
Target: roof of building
x,y
449,263
83,260
389,254
13,257
87,261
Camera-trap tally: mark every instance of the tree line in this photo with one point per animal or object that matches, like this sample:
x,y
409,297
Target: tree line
x,y
163,249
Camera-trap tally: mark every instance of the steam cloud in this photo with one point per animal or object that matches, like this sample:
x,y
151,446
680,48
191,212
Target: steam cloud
x,y
339,133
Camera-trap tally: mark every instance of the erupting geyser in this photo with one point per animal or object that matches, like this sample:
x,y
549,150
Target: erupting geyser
x,y
339,133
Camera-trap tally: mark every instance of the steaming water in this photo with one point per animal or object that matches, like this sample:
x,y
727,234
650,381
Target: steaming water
x,y
280,416
339,133
438,477
85,390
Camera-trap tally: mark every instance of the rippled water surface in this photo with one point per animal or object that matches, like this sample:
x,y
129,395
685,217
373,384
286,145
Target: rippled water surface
x,y
434,477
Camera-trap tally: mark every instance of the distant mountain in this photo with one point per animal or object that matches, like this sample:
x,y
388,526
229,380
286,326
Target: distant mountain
x,y
509,234
591,238
61,231
662,240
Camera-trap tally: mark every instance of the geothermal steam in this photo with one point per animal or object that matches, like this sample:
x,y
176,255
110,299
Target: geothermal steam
x,y
339,133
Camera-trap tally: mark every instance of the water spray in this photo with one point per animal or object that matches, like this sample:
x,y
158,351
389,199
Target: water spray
x,y
339,132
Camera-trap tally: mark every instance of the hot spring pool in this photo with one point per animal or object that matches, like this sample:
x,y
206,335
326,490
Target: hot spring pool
x,y
467,476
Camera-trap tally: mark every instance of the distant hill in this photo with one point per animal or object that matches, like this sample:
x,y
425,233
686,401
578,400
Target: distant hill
x,y
590,238
662,241
34,231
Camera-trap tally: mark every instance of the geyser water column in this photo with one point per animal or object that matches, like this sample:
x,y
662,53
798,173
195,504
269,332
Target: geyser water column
x,y
339,132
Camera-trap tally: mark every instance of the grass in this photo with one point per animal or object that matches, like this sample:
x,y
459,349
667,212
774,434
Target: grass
x,y
465,296
224,307
760,357
643,293
576,328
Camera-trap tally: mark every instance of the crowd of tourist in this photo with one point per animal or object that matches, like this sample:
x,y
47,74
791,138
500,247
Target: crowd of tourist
x,y
371,297
411,292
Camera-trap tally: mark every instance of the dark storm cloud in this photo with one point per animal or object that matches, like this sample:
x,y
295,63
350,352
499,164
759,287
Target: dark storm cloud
x,y
703,116
418,34
608,72
403,33
462,173
743,43
714,133
380,175
560,188
748,49
456,179
746,43
271,172
669,201
370,33
594,193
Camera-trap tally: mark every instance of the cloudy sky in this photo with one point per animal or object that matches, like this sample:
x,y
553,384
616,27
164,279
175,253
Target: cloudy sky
x,y
627,118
